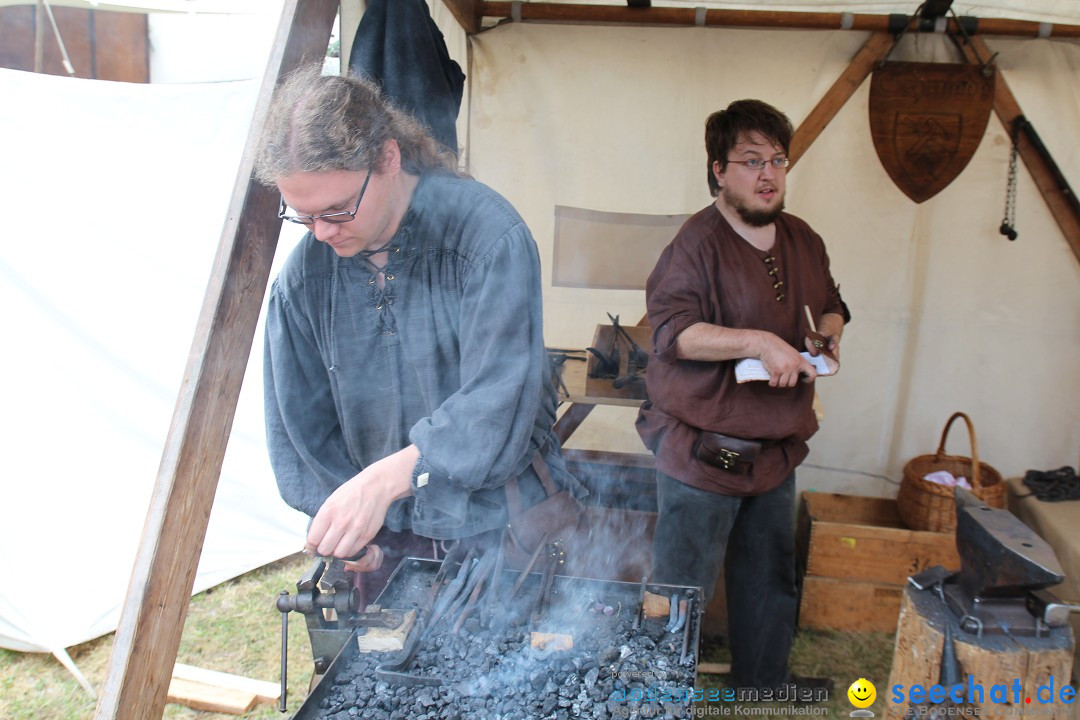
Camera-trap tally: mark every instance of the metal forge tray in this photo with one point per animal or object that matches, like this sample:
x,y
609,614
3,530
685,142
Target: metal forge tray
x,y
615,661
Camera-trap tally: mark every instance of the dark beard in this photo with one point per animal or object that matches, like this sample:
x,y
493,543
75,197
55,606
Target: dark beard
x,y
755,218
760,218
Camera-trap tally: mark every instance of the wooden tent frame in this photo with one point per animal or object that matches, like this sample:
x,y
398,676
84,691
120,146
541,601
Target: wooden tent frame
x,y
152,620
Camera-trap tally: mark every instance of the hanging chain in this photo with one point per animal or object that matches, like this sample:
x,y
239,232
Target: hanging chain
x,y
1008,223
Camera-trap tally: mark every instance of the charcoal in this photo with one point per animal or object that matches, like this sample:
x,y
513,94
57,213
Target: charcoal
x,y
539,677
493,672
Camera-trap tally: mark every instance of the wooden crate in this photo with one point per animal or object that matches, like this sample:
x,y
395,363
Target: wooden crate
x,y
830,604
855,556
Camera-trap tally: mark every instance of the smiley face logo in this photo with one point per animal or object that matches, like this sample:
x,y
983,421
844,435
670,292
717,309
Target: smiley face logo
x,y
862,693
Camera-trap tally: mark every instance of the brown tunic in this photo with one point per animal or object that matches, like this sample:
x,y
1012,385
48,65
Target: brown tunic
x,y
711,274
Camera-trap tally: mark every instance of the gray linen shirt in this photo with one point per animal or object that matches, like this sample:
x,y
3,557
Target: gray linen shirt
x,y
448,355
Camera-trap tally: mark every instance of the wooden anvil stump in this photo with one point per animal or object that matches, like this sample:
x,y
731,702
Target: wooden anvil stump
x,y
1009,669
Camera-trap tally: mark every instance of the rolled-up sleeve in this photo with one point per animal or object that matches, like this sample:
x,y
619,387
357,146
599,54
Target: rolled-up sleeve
x,y
675,298
834,303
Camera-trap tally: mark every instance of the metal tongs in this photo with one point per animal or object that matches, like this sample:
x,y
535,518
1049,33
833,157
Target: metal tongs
x,y
427,616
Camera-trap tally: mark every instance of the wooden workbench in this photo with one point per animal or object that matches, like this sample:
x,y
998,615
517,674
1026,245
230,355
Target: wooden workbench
x,y
615,479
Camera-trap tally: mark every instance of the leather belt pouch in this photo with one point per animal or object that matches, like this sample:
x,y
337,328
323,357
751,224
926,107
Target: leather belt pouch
x,y
727,453
555,519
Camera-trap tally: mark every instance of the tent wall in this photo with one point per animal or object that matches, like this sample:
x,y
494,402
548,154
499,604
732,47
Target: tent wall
x,y
120,190
949,315
189,48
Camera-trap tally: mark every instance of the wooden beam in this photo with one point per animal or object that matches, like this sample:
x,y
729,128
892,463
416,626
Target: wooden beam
x,y
152,620
466,13
623,15
570,421
875,49
1063,208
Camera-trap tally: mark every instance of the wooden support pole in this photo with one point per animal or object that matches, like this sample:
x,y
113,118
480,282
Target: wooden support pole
x,y
571,420
621,14
875,49
1062,207
161,581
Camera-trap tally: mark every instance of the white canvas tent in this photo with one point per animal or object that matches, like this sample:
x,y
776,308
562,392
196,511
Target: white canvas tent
x,y
117,194
948,314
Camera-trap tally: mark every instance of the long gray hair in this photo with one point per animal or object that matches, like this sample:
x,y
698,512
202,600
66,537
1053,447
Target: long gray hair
x,y
329,122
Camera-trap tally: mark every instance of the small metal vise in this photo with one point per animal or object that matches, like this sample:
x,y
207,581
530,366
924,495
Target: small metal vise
x,y
332,615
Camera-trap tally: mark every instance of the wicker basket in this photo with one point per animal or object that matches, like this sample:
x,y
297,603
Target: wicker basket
x,y
925,505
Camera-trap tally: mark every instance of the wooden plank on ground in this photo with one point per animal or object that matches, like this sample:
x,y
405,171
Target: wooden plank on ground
x,y
707,668
211,698
267,692
164,572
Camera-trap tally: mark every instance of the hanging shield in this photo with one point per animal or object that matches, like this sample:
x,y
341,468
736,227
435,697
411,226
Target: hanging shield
x,y
927,120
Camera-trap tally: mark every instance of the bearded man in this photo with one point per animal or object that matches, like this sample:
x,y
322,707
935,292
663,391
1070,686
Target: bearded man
x,y
741,279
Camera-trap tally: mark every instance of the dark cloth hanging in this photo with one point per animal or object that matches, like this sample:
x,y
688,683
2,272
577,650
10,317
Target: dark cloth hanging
x,y
399,46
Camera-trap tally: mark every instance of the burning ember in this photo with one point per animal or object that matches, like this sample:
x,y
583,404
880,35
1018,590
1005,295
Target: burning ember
x,y
534,646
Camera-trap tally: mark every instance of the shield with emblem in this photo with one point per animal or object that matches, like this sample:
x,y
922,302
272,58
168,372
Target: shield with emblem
x,y
927,120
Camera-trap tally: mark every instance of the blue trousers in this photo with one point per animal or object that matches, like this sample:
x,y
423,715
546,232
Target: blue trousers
x,y
753,540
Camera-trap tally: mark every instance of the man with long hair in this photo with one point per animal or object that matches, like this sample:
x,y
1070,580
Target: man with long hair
x,y
406,379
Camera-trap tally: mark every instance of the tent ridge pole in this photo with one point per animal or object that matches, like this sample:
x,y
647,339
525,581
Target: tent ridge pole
x,y
716,17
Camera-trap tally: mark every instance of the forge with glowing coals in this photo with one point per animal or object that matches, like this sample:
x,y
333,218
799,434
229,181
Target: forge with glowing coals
x,y
485,642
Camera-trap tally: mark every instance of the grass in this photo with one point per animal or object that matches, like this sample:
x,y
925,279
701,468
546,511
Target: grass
x,y
842,656
235,628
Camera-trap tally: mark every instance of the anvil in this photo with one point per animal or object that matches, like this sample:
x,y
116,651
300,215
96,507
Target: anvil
x,y
1003,564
